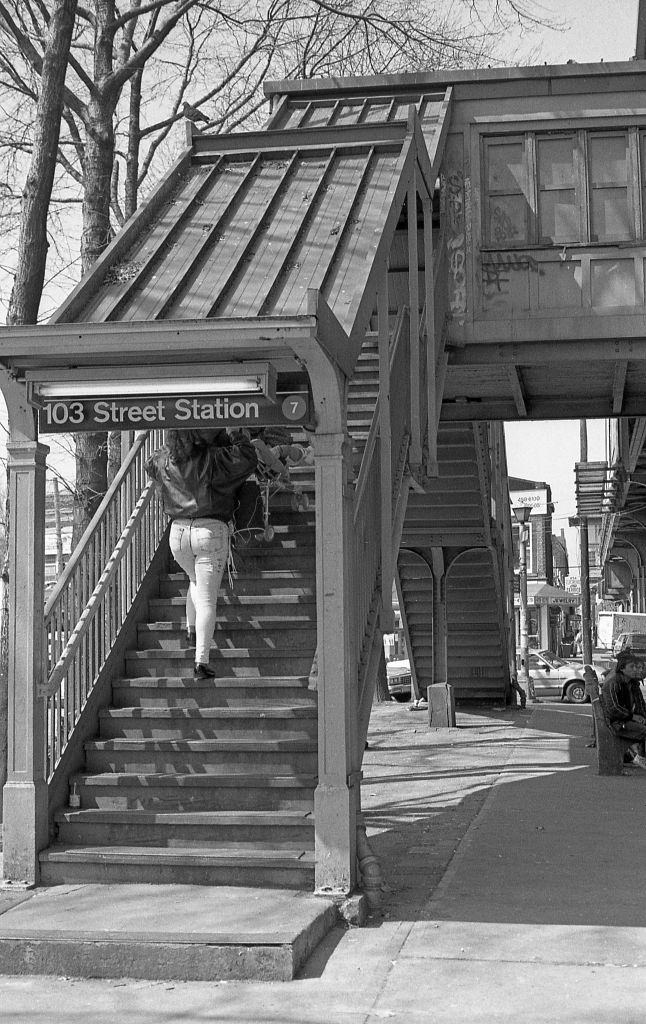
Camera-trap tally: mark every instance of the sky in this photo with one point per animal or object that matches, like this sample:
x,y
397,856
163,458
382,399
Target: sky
x,y
596,30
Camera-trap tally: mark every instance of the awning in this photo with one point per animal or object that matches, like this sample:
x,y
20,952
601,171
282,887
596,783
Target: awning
x,y
544,593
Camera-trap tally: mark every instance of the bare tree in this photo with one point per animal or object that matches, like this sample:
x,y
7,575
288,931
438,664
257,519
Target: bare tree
x,y
32,238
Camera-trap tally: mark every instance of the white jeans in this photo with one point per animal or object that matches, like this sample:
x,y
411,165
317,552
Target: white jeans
x,y
201,548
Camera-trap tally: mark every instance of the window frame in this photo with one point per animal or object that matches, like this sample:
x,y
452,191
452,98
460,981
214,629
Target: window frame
x,y
517,138
582,183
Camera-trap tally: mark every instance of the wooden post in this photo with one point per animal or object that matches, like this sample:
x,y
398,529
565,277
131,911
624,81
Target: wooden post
x,y
431,341
337,795
385,452
440,631
586,625
415,454
25,822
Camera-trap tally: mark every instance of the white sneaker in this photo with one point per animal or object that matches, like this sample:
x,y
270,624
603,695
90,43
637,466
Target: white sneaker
x,y
639,761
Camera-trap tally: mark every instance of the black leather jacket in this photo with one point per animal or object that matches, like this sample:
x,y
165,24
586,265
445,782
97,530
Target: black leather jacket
x,y
205,485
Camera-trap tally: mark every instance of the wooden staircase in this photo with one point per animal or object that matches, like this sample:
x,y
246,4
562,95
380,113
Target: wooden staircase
x,y
208,782
476,653
363,390
453,515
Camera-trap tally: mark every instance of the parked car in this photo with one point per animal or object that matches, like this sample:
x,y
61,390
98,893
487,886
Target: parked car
x,y
399,680
636,642
554,677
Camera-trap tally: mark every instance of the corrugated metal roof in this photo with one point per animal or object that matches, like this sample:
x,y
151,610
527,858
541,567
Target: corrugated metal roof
x,y
255,221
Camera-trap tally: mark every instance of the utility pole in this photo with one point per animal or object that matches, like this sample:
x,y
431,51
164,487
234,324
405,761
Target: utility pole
x,y
586,625
640,42
522,515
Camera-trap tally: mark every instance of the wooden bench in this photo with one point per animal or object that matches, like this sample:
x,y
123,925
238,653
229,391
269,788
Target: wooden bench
x,y
610,749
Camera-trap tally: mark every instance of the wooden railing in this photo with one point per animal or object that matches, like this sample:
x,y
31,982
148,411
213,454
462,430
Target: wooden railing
x,y
92,599
368,493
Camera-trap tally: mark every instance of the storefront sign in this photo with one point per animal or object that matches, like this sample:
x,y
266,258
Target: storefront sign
x,y
69,415
536,500
563,600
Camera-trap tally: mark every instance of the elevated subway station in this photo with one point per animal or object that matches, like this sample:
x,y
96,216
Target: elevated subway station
x,y
416,259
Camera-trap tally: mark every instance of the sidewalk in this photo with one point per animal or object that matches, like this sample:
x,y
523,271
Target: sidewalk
x,y
517,893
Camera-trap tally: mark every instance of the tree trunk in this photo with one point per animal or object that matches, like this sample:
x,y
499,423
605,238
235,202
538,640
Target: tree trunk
x,y
32,240
132,158
91,479
99,155
92,448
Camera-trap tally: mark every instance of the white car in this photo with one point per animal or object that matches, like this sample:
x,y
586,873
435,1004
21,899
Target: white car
x,y
399,680
554,677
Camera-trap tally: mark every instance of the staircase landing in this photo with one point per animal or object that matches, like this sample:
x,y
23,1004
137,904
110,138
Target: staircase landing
x,y
162,932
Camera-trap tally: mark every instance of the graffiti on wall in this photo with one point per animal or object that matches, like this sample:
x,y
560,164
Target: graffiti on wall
x,y
497,271
456,245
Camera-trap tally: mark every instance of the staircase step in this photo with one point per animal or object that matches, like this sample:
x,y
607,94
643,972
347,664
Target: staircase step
x,y
479,695
208,723
255,661
178,691
290,534
233,788
163,756
262,583
284,603
240,865
251,555
211,829
285,516
283,635
243,609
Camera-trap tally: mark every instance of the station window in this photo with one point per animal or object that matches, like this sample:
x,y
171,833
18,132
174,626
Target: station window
x,y
556,188
506,192
559,201
611,217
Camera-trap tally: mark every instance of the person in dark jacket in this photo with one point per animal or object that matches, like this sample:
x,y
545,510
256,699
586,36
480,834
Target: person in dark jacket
x,y
198,473
623,704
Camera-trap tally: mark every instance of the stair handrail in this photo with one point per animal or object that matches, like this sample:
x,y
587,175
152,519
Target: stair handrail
x,y
148,440
367,505
82,626
96,592
373,433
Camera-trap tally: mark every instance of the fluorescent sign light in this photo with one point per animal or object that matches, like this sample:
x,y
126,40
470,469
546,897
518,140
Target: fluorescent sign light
x,y
152,386
200,378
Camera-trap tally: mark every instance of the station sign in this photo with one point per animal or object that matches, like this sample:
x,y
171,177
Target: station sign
x,y
71,415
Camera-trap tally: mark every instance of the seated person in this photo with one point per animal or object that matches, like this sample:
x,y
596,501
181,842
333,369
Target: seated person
x,y
623,705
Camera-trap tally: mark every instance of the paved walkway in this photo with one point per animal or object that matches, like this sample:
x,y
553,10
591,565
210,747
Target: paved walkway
x,y
517,883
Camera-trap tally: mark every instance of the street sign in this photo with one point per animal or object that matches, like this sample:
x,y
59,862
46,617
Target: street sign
x,y
71,415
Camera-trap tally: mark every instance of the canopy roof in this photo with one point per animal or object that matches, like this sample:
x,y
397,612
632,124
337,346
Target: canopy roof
x,y
247,224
